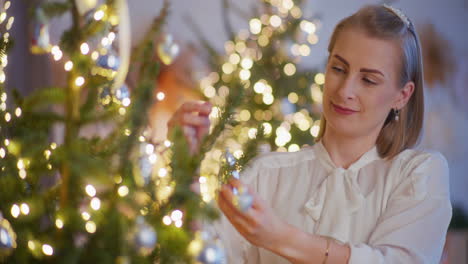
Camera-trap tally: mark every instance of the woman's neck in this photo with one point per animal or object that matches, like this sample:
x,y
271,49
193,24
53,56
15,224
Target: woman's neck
x,y
344,151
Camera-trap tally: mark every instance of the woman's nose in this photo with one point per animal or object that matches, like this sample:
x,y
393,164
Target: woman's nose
x,y
347,89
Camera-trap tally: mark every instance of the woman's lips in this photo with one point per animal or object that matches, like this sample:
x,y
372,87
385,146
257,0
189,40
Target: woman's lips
x,y
343,110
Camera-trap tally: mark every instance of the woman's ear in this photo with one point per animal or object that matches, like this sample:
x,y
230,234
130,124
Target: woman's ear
x,y
404,95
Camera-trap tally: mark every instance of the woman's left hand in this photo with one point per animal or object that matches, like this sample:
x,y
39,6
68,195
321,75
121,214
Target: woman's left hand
x,y
259,225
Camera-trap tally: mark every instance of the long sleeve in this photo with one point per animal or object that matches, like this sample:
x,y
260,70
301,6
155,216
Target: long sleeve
x,y
413,226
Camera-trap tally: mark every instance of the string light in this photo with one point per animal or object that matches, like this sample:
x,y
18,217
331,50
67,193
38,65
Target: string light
x,y
160,96
316,93
47,250
90,227
289,69
314,130
247,63
123,191
18,112
84,48
85,215
244,74
293,148
15,210
24,209
275,21
47,154
68,66
162,172
90,190
79,81
99,15
95,203
268,98
59,223
255,26
167,220
149,149
7,117
234,58
319,78
153,158
56,52
31,245
312,39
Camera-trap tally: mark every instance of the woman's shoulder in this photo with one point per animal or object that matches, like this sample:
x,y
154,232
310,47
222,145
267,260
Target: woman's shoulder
x,y
425,171
413,158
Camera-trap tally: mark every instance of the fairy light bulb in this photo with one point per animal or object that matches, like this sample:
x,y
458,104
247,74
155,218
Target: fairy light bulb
x,y
95,203
18,112
123,191
99,15
160,96
84,48
79,81
90,227
68,66
24,209
59,223
90,190
47,250
167,220
85,215
15,210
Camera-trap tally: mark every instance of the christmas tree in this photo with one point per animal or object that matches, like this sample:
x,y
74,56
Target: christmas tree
x,y
263,63
113,198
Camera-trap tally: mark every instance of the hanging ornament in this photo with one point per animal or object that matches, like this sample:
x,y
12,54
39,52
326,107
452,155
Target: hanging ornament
x,y
230,159
40,39
211,250
144,237
168,50
242,198
145,164
108,61
212,253
122,93
105,95
7,238
84,6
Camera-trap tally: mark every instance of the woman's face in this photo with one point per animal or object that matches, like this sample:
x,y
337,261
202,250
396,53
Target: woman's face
x,y
361,84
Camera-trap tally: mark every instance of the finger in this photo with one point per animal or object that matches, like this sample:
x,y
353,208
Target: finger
x,y
203,108
228,196
191,119
230,211
206,109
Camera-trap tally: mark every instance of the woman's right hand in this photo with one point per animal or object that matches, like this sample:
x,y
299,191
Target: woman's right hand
x,y
193,118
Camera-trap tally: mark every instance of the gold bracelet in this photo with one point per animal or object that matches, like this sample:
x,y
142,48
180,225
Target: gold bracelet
x,y
326,251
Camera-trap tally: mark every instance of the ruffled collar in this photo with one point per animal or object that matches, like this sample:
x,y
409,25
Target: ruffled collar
x,y
325,159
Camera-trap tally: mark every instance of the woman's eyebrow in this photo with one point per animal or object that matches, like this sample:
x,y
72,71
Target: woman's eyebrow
x,y
362,69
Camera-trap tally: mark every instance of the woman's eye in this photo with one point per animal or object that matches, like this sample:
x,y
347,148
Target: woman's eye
x,y
337,69
369,81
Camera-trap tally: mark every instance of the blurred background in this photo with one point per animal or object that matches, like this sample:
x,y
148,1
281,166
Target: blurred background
x,y
440,24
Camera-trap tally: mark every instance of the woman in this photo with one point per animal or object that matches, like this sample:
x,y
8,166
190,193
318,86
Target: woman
x,y
360,194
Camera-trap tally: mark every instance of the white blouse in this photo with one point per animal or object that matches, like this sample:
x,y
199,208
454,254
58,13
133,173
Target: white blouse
x,y
395,211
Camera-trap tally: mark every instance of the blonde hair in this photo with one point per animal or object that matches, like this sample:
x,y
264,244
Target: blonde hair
x,y
383,23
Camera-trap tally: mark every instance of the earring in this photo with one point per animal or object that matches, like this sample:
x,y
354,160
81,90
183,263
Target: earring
x,y
396,112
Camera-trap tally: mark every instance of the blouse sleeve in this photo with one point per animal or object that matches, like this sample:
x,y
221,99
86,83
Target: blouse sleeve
x,y
238,250
413,227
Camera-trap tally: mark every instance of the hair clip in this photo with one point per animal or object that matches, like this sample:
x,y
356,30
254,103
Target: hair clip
x,y
399,13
